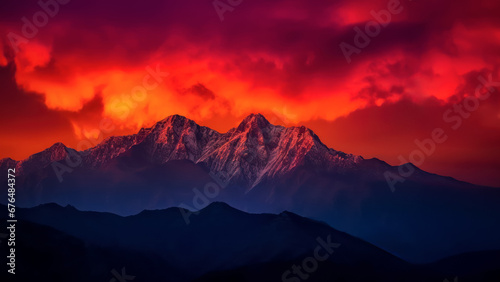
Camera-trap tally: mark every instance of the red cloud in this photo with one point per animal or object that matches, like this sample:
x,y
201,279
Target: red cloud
x,y
279,56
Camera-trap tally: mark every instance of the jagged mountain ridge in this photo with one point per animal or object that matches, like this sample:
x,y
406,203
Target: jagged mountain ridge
x,y
250,152
266,168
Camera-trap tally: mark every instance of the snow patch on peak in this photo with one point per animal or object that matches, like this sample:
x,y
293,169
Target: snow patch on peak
x,y
253,121
174,119
254,151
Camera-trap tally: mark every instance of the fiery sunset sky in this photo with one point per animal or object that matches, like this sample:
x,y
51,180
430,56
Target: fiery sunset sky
x,y
62,74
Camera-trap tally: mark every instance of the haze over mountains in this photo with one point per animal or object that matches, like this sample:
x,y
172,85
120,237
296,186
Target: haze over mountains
x,y
260,167
158,246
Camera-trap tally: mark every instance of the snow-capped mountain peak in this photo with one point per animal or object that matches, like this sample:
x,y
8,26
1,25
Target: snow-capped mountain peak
x,y
253,121
250,153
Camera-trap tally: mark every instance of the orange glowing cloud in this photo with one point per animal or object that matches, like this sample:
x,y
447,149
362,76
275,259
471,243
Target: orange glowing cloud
x,y
282,60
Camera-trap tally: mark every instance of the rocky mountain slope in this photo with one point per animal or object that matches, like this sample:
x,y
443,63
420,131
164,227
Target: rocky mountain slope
x,y
260,167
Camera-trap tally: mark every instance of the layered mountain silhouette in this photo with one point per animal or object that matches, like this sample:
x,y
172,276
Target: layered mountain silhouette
x,y
260,167
220,244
